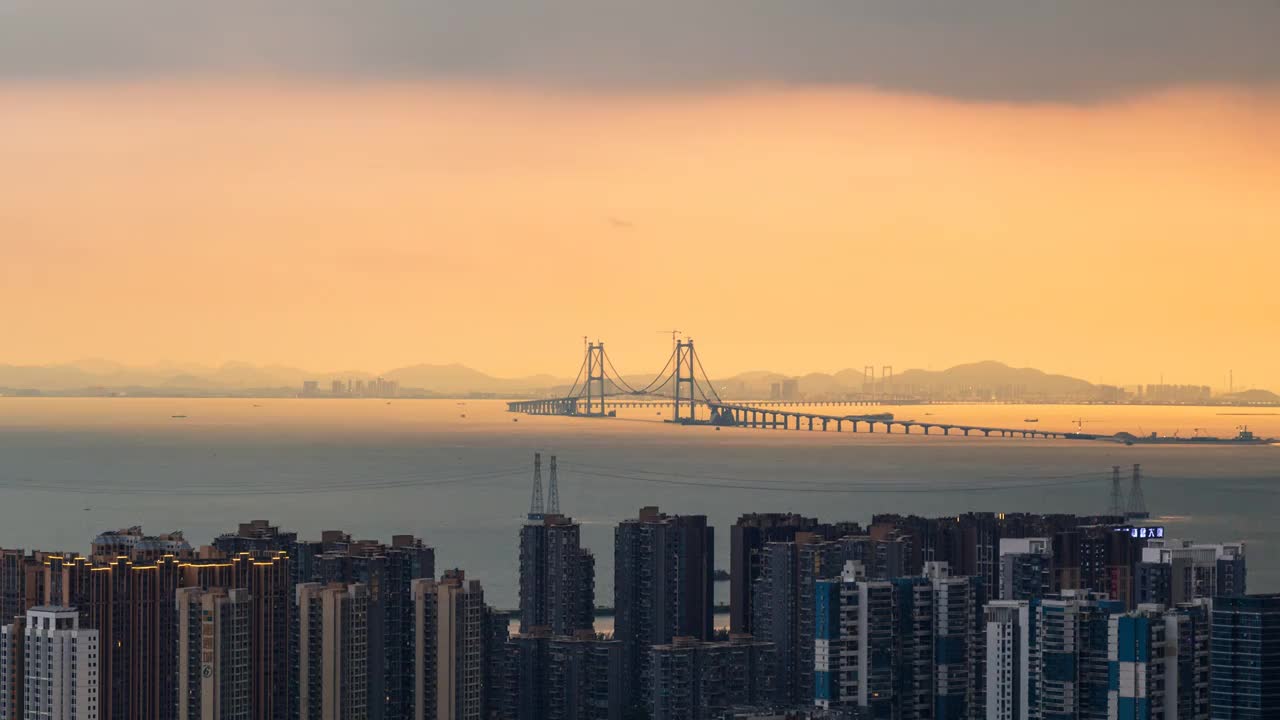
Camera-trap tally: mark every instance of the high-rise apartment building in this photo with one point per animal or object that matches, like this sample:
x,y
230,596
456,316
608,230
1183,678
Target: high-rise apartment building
x,y
134,544
333,651
959,644
21,582
1069,661
837,634
747,539
497,679
901,648
1245,661
663,588
585,678
450,637
57,662
1008,664
783,608
1026,568
1159,664
557,577
131,605
1180,571
696,680
264,581
215,667
387,571
563,678
891,660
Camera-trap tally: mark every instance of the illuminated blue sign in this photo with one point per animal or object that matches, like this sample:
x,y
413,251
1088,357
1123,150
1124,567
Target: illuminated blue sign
x,y
1143,533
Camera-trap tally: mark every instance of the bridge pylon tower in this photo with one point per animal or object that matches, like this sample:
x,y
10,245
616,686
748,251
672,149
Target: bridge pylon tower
x,y
685,385
595,377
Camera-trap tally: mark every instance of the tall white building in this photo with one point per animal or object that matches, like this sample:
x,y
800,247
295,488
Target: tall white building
x,y
58,664
1008,659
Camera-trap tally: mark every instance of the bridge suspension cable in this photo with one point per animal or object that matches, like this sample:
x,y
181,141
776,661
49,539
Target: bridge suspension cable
x,y
617,378
706,377
573,390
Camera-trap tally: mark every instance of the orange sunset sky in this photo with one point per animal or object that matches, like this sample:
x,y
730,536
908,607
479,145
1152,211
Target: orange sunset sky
x,y
204,211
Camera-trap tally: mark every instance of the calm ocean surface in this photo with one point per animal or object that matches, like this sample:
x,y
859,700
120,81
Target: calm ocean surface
x,y
458,474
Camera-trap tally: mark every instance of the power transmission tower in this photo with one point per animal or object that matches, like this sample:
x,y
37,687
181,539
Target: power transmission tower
x,y
1117,498
553,491
1137,503
536,511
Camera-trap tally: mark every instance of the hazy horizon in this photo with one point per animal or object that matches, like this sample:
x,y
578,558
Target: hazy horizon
x,y
108,368
1086,191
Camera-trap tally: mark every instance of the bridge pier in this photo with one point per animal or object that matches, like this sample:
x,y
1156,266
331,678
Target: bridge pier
x,y
810,423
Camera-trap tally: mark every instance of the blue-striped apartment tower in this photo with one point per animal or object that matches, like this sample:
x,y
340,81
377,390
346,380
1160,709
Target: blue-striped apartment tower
x,y
1070,674
1158,664
913,644
1009,637
835,657
1246,658
959,636
876,651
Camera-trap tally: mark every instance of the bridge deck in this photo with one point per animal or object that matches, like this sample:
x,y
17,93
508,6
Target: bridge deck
x,y
758,416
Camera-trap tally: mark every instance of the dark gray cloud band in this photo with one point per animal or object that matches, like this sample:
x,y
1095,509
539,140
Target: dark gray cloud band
x,y
980,49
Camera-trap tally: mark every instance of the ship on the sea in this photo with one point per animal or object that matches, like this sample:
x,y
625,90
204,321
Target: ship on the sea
x,y
1243,437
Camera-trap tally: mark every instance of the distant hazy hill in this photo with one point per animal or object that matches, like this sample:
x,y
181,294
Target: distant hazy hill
x,y
991,374
1253,396
455,378
759,383
101,373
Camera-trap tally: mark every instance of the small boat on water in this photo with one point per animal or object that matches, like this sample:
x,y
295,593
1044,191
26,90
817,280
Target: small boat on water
x,y
1030,420
178,417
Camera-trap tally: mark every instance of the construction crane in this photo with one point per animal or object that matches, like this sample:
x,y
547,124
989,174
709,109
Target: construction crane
x,y
675,334
1080,423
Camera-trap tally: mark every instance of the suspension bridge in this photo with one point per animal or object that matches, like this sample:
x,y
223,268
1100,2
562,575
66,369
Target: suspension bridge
x,y
684,387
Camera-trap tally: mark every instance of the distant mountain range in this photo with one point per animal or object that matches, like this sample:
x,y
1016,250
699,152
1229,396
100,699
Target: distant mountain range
x,y
96,375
